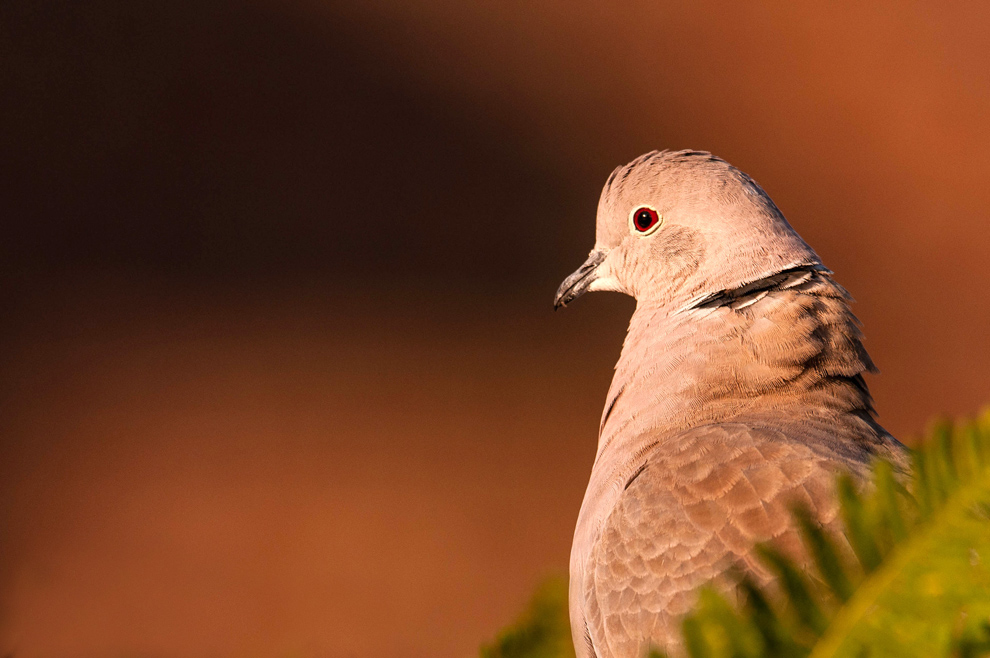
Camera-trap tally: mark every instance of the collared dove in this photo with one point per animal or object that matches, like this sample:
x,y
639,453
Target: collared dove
x,y
739,391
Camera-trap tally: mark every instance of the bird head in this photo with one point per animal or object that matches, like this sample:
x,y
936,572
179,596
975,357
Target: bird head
x,y
677,225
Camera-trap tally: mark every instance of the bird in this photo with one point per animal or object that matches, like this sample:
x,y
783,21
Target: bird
x,y
738,393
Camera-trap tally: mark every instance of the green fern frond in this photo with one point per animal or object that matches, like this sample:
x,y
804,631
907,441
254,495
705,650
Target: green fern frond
x,y
920,585
543,631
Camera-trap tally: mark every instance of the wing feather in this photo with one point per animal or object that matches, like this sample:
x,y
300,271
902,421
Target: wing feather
x,y
685,521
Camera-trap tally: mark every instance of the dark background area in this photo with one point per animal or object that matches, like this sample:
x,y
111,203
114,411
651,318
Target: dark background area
x,y
279,370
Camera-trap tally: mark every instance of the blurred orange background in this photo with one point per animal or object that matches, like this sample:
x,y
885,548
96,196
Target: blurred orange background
x,y
279,371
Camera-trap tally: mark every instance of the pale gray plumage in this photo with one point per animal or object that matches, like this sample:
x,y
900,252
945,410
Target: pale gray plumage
x,y
739,391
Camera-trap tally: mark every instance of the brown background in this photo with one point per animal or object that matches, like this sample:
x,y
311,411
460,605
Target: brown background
x,y
279,371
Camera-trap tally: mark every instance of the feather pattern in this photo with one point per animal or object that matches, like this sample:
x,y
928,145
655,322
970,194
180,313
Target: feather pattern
x,y
739,391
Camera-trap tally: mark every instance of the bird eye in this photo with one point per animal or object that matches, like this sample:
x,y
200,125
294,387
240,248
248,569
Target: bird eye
x,y
645,220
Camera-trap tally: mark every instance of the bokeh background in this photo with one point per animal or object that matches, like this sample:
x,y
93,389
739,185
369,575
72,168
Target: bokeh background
x,y
279,374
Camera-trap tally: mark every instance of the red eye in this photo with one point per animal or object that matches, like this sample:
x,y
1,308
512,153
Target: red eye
x,y
645,218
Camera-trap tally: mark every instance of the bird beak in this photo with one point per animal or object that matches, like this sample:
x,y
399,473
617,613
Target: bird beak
x,y
578,283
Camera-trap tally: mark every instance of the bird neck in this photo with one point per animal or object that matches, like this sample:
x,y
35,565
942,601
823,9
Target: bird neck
x,y
780,347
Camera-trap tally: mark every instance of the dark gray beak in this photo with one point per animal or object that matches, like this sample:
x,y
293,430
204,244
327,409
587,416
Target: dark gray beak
x,y
577,284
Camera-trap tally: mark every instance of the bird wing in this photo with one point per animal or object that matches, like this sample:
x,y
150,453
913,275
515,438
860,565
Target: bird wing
x,y
689,514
